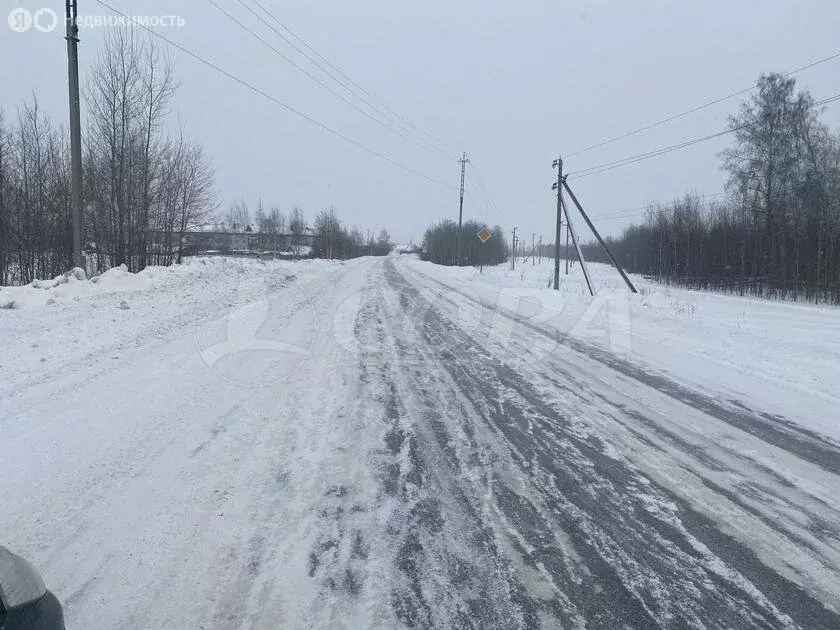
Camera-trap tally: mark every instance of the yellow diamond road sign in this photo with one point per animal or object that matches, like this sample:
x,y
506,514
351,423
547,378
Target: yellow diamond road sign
x,y
484,235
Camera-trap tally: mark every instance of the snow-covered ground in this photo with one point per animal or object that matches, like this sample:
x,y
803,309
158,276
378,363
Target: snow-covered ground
x,y
60,325
386,443
778,357
168,440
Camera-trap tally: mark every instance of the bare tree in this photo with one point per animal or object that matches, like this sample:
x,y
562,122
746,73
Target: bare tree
x,y
297,227
260,217
328,235
5,224
276,220
114,102
158,88
195,185
272,222
238,216
134,171
383,243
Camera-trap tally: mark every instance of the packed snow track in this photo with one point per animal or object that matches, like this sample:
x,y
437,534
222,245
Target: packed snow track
x,y
366,445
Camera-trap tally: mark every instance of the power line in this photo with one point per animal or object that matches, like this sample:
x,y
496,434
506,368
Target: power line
x,y
483,191
620,214
275,100
397,128
828,100
696,109
408,125
487,203
642,210
425,147
601,168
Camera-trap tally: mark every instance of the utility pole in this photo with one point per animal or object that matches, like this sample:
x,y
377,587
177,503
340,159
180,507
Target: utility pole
x,y
72,12
513,258
463,162
540,246
558,186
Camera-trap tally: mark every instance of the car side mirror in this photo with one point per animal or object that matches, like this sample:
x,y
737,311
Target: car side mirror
x,y
25,601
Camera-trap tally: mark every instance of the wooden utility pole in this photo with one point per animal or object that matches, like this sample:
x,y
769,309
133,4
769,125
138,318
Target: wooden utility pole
x,y
72,13
463,162
558,186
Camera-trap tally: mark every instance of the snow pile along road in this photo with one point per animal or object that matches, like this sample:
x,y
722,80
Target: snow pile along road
x,y
64,325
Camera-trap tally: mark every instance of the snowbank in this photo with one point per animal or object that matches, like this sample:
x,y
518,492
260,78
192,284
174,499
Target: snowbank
x,y
72,321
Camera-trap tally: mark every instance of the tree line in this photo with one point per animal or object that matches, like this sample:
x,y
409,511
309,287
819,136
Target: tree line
x,y
265,220
440,244
330,237
334,240
143,187
777,232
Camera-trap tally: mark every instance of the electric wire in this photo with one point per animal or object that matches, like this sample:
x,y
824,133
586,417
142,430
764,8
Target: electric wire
x,y
298,67
696,109
266,95
396,116
602,168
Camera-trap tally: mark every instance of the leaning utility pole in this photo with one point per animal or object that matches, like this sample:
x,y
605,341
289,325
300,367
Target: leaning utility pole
x,y
513,258
72,38
568,224
558,186
571,229
463,162
600,240
533,253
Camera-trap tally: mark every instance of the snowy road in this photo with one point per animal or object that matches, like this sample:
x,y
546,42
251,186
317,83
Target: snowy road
x,y
419,456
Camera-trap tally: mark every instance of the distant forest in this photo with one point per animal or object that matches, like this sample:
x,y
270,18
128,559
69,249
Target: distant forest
x,y
777,233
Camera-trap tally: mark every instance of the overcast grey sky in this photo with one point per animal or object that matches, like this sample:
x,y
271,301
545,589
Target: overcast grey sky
x,y
511,83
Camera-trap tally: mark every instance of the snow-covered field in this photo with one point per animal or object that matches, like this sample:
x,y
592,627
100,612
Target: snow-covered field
x,y
781,357
386,443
